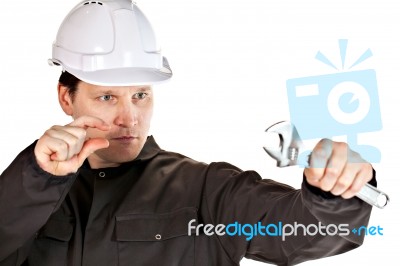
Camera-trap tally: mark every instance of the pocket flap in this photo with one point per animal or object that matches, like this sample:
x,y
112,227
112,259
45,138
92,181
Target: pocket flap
x,y
58,229
155,227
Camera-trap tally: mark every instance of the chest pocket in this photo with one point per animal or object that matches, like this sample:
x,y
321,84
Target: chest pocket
x,y
156,239
51,244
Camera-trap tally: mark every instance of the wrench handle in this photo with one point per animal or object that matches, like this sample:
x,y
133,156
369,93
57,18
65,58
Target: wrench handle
x,y
373,196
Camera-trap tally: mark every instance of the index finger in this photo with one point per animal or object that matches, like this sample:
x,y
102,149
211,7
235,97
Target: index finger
x,y
319,159
90,122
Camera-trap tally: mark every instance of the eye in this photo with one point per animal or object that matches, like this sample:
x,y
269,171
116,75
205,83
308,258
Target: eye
x,y
105,98
140,95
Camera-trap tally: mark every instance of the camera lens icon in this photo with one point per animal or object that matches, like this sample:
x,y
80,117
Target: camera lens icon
x,y
348,102
340,104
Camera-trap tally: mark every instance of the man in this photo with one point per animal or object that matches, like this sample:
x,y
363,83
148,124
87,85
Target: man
x,y
99,191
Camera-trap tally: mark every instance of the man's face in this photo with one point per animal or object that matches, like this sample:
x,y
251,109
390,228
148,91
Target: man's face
x,y
127,110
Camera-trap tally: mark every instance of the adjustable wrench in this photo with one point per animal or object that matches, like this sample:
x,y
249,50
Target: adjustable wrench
x,y
291,152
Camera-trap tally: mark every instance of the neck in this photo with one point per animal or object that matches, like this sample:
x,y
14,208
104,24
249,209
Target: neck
x,y
96,163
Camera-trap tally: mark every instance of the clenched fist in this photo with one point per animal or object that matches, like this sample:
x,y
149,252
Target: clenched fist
x,y
63,149
334,167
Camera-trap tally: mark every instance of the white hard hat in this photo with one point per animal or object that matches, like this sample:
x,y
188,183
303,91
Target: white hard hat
x,y
109,43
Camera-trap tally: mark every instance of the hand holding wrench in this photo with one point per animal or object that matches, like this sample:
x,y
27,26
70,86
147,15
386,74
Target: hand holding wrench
x,y
291,152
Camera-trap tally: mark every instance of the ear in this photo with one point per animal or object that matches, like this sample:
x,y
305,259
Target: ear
x,y
65,100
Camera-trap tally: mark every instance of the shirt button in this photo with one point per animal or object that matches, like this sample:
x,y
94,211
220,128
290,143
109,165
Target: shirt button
x,y
102,174
158,236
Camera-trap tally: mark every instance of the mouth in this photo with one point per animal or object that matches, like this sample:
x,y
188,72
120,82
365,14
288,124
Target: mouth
x,y
124,139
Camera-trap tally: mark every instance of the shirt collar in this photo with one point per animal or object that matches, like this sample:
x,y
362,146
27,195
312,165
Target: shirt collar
x,y
149,150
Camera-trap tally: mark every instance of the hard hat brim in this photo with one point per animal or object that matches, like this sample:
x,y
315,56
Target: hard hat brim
x,y
122,76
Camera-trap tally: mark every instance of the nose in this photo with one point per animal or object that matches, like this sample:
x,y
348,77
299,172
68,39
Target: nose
x,y
127,114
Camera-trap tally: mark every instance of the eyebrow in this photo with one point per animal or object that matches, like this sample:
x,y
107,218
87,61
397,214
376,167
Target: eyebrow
x,y
106,91
144,88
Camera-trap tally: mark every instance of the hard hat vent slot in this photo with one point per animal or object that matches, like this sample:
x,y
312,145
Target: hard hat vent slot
x,y
92,2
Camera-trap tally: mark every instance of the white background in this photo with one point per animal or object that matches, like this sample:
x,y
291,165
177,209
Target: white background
x,y
231,60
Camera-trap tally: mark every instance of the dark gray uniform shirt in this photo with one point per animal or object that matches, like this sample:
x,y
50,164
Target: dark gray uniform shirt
x,y
138,214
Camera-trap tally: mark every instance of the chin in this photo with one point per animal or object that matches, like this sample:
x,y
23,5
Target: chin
x,y
121,157
118,152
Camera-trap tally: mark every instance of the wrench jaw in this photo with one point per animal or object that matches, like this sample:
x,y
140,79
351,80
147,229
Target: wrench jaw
x,y
283,158
289,146
281,161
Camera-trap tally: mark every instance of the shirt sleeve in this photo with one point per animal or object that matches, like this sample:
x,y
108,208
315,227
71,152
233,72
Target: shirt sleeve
x,y
279,224
28,196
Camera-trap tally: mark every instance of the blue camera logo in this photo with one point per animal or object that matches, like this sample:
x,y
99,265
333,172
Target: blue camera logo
x,y
344,103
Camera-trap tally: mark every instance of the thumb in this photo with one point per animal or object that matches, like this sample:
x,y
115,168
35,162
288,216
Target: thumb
x,y
91,146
